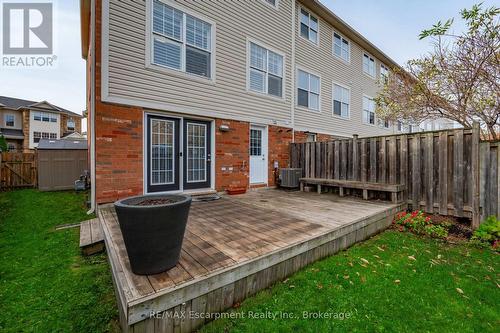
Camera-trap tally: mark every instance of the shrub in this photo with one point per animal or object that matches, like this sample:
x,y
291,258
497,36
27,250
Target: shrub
x,y
418,223
488,234
3,144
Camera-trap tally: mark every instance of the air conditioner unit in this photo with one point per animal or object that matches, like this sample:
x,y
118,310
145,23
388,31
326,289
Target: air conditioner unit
x,y
290,177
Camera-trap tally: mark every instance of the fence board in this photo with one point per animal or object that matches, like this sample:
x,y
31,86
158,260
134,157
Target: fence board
x,y
17,170
448,172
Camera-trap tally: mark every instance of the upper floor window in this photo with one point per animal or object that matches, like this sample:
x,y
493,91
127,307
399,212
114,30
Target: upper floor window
x,y
266,71
384,73
400,126
71,124
341,47
384,123
368,110
341,97
368,65
308,86
45,116
9,120
308,26
181,41
272,2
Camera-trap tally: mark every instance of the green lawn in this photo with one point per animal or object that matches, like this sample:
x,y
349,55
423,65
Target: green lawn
x,y
45,285
394,282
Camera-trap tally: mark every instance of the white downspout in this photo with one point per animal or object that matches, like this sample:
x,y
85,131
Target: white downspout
x,y
292,102
92,108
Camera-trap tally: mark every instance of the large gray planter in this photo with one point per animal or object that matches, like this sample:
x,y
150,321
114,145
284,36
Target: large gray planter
x,y
153,233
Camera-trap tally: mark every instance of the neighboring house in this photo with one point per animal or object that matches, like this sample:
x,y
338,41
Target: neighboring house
x,y
197,95
23,123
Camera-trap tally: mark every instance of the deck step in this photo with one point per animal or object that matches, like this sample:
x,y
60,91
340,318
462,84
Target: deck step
x,y
91,237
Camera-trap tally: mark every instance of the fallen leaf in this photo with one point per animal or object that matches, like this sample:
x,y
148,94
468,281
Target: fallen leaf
x,y
376,256
285,280
439,256
365,261
351,264
346,277
460,291
412,258
319,286
363,279
292,286
381,249
397,281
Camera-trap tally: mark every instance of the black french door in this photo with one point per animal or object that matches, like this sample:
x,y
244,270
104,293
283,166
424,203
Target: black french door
x,y
164,153
197,154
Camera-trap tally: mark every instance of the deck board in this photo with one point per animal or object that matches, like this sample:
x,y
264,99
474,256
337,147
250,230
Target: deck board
x,y
235,231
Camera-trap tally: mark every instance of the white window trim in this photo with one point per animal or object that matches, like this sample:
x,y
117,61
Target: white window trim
x,y
333,99
375,118
297,68
298,21
181,72
275,6
374,65
283,85
5,119
348,61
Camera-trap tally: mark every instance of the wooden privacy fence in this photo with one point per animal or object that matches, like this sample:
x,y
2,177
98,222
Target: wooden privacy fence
x,y
17,170
446,172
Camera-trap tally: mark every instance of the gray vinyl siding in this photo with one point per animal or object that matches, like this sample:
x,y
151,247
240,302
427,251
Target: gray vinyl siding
x,y
227,97
320,60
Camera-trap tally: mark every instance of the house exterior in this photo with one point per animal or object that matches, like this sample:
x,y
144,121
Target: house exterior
x,y
23,123
206,95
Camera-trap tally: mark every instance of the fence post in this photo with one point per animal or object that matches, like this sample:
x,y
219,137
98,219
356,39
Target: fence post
x,y
475,175
355,157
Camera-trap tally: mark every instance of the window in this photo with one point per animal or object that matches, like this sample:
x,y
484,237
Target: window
x,y
71,124
384,73
43,135
400,126
384,123
36,137
311,137
341,97
11,146
45,116
368,110
181,41
266,71
9,120
341,47
308,26
272,2
308,90
369,65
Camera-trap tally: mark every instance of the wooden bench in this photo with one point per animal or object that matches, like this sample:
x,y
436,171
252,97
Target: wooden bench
x,y
394,189
91,237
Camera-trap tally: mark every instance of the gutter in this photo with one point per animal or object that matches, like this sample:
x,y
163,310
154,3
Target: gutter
x,y
292,102
92,110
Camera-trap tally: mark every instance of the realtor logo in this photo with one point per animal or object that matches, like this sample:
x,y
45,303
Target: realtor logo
x,y
27,28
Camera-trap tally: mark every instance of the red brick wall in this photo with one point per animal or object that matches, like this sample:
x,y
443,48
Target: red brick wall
x,y
279,139
119,147
231,154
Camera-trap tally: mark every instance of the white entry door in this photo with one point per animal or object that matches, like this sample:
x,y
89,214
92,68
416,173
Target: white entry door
x,y
258,155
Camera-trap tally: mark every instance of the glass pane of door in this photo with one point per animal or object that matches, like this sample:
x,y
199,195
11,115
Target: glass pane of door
x,y
162,152
196,152
255,142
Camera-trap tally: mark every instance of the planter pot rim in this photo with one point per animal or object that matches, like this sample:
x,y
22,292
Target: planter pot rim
x,y
123,202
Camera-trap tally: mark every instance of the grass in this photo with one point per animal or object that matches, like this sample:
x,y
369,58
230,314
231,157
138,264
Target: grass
x,y
45,285
394,282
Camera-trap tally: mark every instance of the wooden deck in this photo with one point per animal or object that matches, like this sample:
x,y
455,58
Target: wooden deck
x,y
91,237
234,247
